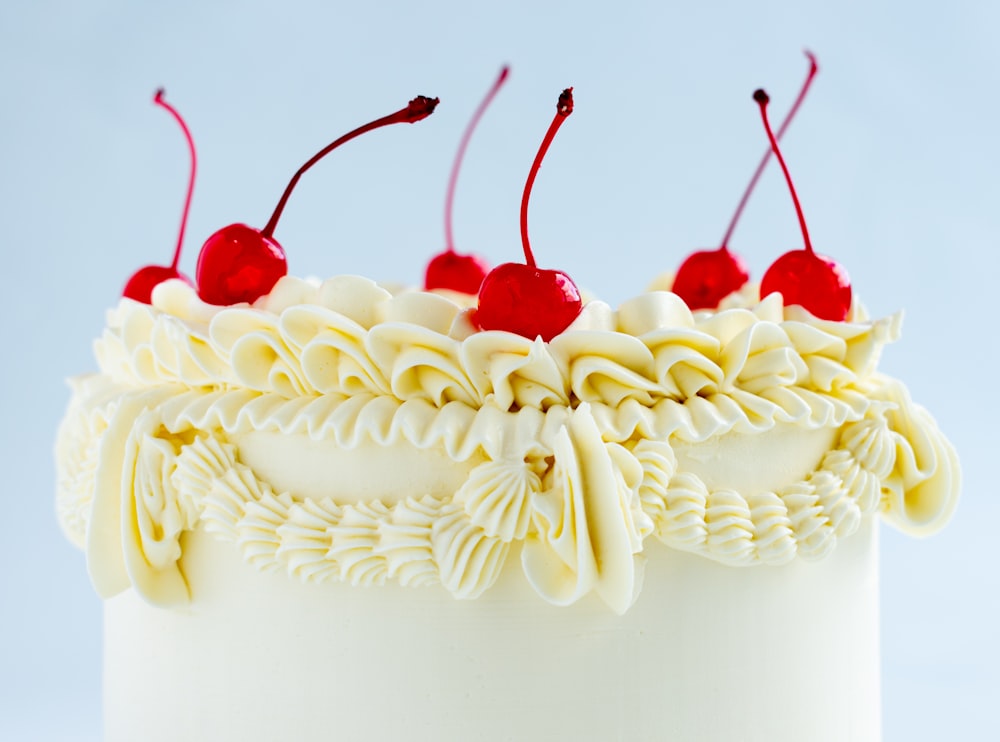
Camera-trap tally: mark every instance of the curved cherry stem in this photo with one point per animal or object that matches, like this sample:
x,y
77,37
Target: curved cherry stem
x,y
563,109
813,69
762,100
460,155
417,109
158,100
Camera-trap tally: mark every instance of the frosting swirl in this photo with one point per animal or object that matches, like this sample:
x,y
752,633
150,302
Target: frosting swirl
x,y
652,349
566,450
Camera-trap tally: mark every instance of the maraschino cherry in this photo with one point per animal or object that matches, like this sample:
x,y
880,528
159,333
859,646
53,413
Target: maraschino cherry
x,y
706,277
523,298
449,269
140,286
239,263
804,277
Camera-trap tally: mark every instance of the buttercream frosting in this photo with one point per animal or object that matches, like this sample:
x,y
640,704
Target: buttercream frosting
x,y
573,452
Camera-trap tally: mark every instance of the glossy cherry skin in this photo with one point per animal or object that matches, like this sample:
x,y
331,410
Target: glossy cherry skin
x,y
238,264
813,281
531,302
455,272
709,276
140,286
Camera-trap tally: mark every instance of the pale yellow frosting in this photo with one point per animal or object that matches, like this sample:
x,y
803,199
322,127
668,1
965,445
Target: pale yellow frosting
x,y
338,431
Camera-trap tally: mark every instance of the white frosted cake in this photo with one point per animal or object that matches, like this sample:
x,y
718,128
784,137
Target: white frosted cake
x,y
343,513
333,511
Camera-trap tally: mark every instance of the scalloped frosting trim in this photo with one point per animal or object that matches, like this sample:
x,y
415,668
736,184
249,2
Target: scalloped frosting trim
x,y
578,489
348,336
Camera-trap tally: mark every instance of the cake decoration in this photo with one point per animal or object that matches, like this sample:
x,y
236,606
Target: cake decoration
x,y
561,425
706,277
450,270
140,286
523,298
804,277
203,398
240,263
574,521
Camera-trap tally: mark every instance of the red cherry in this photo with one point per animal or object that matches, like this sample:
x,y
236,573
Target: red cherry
x,y
140,286
813,281
804,277
456,272
239,263
450,270
528,301
523,298
707,277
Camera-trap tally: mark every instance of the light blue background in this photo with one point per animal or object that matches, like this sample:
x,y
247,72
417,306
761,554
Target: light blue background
x,y
895,155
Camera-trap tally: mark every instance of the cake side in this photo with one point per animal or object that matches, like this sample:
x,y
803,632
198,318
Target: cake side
x,y
762,654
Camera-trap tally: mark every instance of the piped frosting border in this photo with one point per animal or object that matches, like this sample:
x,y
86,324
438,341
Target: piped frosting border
x,y
575,434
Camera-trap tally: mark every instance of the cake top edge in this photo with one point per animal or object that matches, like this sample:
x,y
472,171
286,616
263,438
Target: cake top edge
x,y
368,303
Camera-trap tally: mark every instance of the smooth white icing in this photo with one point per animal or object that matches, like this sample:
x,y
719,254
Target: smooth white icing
x,y
707,652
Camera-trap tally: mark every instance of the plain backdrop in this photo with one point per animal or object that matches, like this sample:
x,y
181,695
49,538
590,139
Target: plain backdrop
x,y
895,155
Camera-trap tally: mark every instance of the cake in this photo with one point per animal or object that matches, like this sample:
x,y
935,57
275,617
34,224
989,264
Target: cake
x,y
333,510
343,510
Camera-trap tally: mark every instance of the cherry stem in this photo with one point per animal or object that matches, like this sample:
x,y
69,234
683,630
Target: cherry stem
x,y
762,100
417,109
158,100
813,69
460,155
563,109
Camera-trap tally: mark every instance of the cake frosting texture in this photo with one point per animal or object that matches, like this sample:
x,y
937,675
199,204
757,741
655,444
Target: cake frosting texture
x,y
337,431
